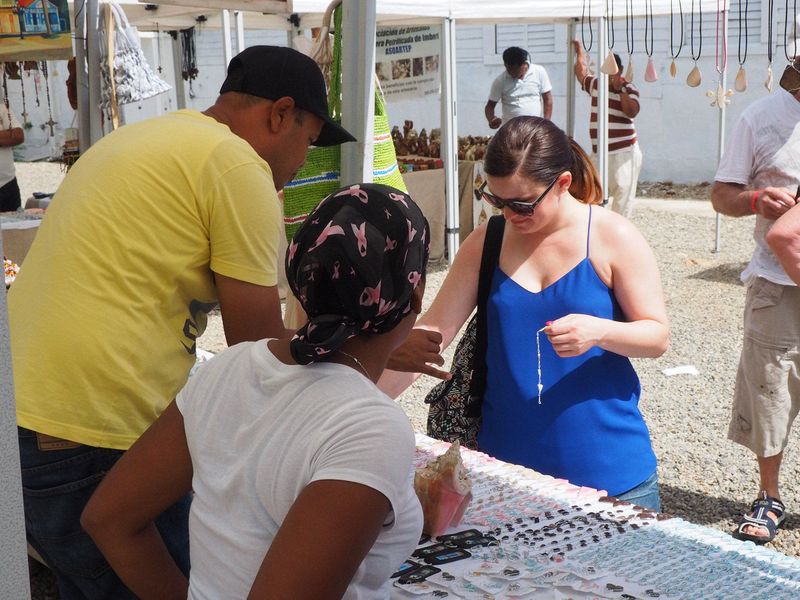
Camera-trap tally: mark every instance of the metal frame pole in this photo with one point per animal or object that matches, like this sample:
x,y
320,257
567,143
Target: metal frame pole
x,y
602,110
449,151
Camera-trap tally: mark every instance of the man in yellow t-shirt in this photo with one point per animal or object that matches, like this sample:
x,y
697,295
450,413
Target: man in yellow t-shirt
x,y
156,224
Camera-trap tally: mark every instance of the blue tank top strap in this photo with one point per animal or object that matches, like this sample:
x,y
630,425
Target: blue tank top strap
x,y
588,231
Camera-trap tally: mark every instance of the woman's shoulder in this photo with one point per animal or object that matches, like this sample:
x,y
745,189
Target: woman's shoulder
x,y
612,228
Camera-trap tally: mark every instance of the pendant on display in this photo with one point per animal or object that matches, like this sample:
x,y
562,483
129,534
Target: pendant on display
x,y
650,73
673,69
740,84
694,78
721,98
768,81
610,66
629,70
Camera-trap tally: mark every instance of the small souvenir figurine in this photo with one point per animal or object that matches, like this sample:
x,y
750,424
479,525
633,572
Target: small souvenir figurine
x,y
423,148
444,491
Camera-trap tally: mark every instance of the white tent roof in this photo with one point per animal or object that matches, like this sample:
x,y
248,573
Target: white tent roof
x,y
272,14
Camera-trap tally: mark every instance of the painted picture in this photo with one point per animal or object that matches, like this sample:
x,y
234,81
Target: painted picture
x,y
35,30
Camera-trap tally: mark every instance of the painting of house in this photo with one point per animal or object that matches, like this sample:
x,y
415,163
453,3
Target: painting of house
x,y
34,30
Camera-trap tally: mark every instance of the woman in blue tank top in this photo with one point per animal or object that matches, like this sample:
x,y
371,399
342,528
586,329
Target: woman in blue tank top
x,y
575,294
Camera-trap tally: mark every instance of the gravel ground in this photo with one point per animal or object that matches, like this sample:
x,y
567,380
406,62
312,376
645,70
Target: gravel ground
x,y
705,478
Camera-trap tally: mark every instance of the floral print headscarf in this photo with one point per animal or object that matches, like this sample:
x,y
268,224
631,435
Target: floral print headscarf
x,y
354,264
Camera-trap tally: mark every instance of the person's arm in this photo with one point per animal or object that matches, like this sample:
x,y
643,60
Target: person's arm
x,y
547,105
629,101
582,73
11,137
439,325
325,536
249,312
494,122
783,239
149,478
637,287
735,200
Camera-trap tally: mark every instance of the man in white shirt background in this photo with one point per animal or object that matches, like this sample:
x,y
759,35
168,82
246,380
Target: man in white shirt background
x,y
523,89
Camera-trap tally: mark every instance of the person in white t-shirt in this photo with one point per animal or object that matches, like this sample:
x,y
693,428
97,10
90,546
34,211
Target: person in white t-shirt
x,y
302,470
11,134
759,174
523,89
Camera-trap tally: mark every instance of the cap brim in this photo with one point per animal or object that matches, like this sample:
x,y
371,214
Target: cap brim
x,y
333,134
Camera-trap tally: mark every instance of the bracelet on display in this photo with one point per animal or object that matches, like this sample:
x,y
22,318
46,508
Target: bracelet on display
x,y
753,198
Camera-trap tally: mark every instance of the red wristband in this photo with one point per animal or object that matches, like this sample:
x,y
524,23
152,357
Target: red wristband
x,y
753,199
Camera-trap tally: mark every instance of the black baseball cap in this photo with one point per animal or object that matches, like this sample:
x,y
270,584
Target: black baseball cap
x,y
273,72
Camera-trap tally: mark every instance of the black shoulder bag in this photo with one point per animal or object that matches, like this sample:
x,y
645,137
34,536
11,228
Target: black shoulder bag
x,y
455,411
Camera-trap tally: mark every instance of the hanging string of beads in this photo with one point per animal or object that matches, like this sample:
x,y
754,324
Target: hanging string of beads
x,y
584,17
25,123
5,94
673,68
770,13
650,73
50,122
695,77
789,55
741,75
188,58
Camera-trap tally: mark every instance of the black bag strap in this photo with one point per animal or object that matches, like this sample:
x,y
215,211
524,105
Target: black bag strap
x,y
490,256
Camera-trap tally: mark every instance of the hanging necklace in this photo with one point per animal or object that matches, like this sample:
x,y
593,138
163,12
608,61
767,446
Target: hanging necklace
x,y
50,121
695,77
355,360
650,73
5,95
629,38
673,68
721,97
741,75
25,123
539,385
770,10
584,17
609,66
789,57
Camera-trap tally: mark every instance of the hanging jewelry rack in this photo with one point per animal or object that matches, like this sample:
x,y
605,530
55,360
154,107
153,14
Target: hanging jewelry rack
x,y
673,68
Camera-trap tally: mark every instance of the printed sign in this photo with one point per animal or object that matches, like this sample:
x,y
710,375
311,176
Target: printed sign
x,y
26,34
407,60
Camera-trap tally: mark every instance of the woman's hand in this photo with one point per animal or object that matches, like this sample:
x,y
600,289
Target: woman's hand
x,y
575,334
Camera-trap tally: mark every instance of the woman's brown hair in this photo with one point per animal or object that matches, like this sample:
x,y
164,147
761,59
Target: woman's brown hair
x,y
540,151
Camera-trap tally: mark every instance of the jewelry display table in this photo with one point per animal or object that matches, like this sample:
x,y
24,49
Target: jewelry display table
x,y
537,537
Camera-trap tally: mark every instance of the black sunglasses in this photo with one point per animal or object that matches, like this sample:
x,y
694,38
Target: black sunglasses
x,y
518,206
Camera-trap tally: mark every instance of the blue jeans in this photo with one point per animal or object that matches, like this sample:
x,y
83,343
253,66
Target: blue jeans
x,y
645,494
56,485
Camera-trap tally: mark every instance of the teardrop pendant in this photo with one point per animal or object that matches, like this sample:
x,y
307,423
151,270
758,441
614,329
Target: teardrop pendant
x,y
694,78
629,70
610,66
740,84
650,73
768,82
673,69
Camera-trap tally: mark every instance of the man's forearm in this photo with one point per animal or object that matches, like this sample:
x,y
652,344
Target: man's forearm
x,y
731,199
11,137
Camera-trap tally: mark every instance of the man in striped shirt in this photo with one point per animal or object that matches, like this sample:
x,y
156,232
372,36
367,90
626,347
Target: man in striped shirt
x,y
624,155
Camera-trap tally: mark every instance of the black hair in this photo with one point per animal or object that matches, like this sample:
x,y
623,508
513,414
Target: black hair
x,y
515,56
619,62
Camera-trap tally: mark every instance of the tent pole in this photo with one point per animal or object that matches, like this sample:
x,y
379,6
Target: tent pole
x,y
227,49
723,81
239,19
358,89
449,151
602,110
570,78
94,66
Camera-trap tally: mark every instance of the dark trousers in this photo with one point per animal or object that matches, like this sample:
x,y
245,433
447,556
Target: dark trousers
x,y
9,196
56,485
